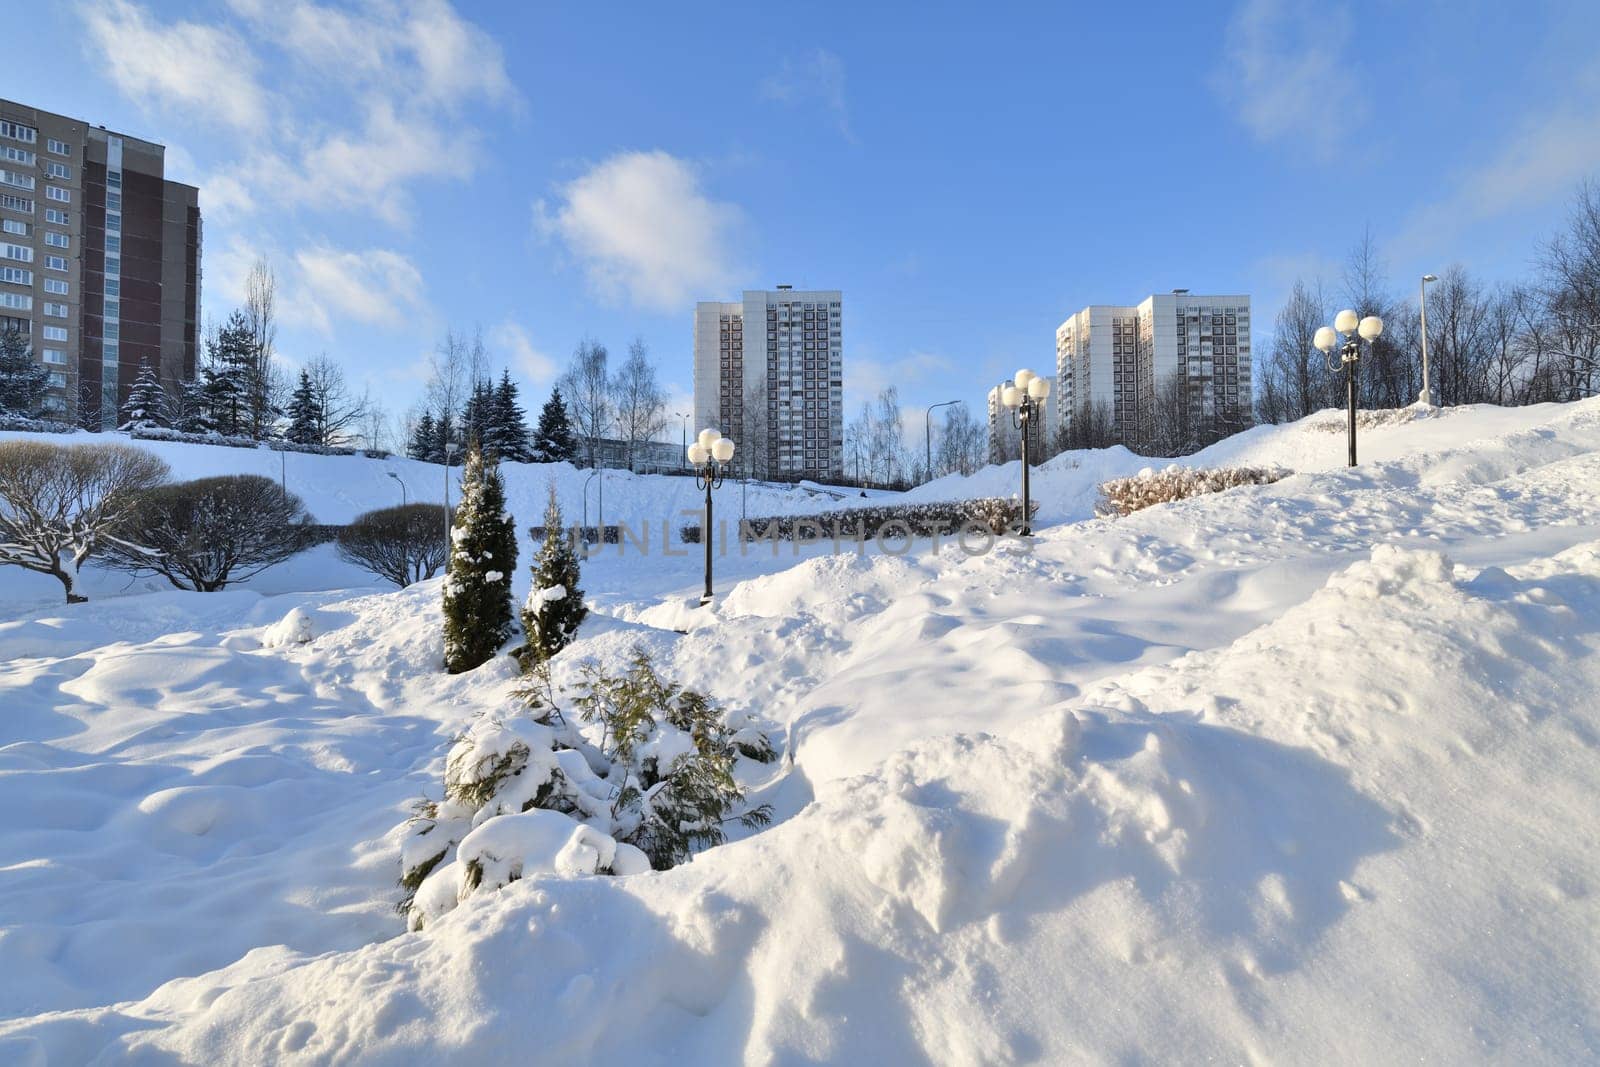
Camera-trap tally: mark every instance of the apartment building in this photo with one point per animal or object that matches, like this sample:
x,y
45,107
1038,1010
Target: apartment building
x,y
1174,356
768,372
1005,436
99,259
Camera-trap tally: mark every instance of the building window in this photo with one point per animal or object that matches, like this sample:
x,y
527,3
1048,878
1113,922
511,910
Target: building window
x,y
53,355
56,240
16,203
56,286
20,253
55,192
60,148
18,132
17,155
55,263
58,380
55,333
13,226
16,301
16,179
55,310
58,170
55,215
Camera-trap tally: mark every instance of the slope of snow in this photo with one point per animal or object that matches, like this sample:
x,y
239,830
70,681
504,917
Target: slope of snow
x,y
1301,772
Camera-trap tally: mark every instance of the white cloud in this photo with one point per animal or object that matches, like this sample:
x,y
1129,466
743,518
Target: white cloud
x,y
644,230
376,286
1288,72
819,76
532,363
864,379
208,72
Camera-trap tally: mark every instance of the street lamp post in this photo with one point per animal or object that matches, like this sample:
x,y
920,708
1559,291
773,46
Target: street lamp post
x,y
1354,330
927,428
684,415
396,477
1422,308
710,455
1025,397
449,450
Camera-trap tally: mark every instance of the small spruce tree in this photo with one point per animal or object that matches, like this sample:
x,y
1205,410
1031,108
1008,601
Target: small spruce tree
x,y
555,602
483,553
22,381
477,418
146,408
424,443
192,411
305,422
554,441
508,423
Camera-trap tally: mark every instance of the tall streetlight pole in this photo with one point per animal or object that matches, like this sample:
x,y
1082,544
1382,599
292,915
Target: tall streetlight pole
x,y
396,477
1355,330
927,428
1025,397
1422,308
685,417
710,454
449,450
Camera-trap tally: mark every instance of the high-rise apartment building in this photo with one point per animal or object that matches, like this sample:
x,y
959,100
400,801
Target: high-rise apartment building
x,y
1173,356
1005,436
768,372
99,259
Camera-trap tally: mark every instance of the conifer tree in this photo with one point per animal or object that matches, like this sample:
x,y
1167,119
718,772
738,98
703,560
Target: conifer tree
x,y
424,443
477,417
508,423
305,417
232,354
555,602
146,408
192,412
22,381
447,436
483,553
554,441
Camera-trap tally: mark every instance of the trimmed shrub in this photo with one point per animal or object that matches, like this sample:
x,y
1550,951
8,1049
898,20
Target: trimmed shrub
x,y
9,421
203,534
483,553
1124,496
998,514
554,608
402,544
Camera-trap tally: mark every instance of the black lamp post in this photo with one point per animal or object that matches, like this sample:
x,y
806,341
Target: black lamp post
x,y
1354,329
928,434
1025,397
710,454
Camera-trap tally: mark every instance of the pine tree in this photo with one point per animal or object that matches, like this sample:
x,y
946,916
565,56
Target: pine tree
x,y
477,417
22,381
305,414
146,408
554,441
232,355
424,443
483,553
509,423
555,602
449,441
193,410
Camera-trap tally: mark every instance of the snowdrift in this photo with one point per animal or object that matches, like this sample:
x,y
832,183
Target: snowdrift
x,y
1301,772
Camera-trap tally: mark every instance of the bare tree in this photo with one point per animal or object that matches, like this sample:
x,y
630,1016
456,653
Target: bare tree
x,y
1295,380
399,544
60,505
448,370
337,410
961,444
587,387
1571,269
265,387
1458,338
641,405
203,534
756,444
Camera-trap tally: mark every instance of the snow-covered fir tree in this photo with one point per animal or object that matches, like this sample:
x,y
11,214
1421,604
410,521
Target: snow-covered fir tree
x,y
231,355
555,602
424,443
448,438
477,417
192,411
554,441
146,408
508,423
305,421
22,381
483,553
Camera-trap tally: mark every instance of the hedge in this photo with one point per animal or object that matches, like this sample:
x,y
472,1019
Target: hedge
x,y
998,514
1124,496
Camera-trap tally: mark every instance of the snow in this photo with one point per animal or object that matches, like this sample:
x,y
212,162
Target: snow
x,y
1299,772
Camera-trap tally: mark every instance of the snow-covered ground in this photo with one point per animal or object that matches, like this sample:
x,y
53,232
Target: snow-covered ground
x,y
1295,773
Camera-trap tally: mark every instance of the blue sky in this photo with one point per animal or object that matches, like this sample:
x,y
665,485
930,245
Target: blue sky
x,y
967,174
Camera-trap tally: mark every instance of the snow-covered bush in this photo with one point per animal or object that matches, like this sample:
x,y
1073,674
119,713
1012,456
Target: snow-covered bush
x,y
998,514
61,504
483,553
9,421
1124,496
146,408
1375,418
639,776
402,544
203,534
555,602
294,628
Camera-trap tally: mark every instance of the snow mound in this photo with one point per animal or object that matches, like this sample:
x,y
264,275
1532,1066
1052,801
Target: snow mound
x,y
293,629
